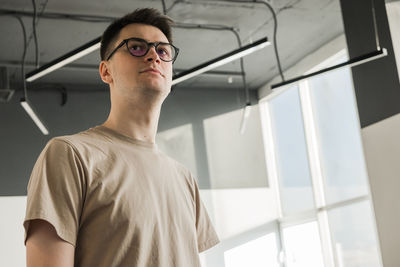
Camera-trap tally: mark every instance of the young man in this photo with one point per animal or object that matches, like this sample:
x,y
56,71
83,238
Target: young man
x,y
107,196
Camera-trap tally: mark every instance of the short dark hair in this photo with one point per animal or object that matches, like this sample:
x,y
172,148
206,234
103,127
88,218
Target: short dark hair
x,y
148,16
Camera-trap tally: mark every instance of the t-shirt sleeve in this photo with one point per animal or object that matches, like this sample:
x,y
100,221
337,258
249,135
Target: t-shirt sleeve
x,y
206,235
56,190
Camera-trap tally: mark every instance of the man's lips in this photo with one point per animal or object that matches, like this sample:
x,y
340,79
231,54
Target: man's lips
x,y
151,70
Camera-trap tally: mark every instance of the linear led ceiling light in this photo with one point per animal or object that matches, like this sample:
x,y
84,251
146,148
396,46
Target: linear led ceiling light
x,y
350,63
219,61
28,108
64,60
378,53
187,74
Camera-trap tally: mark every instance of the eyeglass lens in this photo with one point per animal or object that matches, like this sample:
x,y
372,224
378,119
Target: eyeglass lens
x,y
140,48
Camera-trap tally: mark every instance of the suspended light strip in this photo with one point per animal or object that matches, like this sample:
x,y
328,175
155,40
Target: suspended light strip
x,y
64,60
350,63
245,118
27,106
95,44
219,61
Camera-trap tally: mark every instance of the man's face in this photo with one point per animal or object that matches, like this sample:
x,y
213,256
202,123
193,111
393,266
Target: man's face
x,y
147,74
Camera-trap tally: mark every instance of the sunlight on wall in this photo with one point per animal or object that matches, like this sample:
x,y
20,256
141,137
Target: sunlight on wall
x,y
260,252
178,143
235,160
12,248
234,211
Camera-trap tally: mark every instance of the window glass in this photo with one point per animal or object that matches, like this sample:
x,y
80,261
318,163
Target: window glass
x,y
354,236
338,135
302,245
291,152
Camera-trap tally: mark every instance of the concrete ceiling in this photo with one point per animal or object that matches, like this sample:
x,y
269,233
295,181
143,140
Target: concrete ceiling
x,y
303,26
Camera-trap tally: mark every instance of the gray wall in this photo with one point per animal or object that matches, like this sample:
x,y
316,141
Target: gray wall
x,y
376,83
21,141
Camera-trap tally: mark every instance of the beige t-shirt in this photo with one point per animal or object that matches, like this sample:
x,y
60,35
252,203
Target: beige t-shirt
x,y
119,201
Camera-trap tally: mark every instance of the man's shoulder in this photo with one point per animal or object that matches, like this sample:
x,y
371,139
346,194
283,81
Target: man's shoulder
x,y
79,141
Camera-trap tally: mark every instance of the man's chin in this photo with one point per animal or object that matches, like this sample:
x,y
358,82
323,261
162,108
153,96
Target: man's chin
x,y
157,89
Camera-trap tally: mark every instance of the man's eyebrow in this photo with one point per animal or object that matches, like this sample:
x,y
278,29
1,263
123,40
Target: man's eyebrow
x,y
164,42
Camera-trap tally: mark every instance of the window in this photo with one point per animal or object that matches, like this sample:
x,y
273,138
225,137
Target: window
x,y
314,155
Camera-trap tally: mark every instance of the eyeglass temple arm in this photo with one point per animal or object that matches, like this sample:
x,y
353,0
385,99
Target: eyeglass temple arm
x,y
115,49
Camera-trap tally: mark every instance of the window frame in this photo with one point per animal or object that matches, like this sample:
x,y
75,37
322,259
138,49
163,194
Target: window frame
x,y
320,214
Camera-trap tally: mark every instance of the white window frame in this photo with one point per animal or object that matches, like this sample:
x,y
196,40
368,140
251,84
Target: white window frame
x,y
320,214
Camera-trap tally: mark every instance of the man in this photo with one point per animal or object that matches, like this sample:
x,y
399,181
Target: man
x,y
107,196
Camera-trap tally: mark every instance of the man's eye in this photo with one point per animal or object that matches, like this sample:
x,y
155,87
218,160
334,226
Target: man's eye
x,y
163,51
136,48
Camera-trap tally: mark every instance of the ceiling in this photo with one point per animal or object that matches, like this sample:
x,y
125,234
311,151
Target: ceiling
x,y
303,26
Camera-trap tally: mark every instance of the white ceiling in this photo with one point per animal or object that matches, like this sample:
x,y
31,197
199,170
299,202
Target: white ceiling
x,y
303,26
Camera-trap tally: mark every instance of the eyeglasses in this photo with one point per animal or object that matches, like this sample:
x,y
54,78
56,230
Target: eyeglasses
x,y
138,48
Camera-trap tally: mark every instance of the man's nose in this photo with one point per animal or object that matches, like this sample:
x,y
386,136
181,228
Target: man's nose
x,y
152,54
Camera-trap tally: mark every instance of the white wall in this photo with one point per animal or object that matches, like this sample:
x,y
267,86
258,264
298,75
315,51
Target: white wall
x,y
12,248
382,153
236,211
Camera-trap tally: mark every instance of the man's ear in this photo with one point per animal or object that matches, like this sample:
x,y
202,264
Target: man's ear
x,y
105,73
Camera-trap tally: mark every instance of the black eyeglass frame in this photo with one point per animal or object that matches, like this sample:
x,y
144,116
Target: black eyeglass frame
x,y
149,45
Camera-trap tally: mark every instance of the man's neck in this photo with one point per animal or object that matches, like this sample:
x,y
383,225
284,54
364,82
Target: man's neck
x,y
137,120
